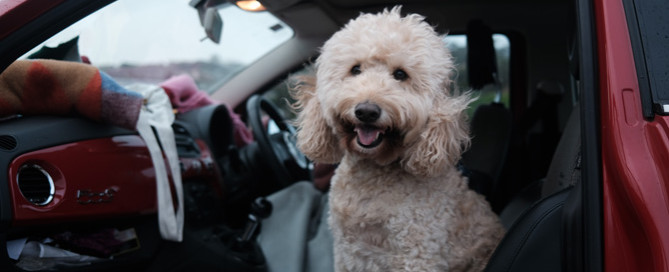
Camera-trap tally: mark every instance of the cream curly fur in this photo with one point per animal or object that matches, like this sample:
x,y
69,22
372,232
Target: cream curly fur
x,y
397,203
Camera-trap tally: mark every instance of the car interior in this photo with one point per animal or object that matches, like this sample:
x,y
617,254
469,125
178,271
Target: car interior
x,y
520,57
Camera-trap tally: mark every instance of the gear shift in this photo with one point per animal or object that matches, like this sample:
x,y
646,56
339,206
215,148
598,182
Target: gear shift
x,y
260,209
245,253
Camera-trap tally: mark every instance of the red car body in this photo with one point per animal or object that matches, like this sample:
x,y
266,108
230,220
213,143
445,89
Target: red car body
x,y
16,13
635,161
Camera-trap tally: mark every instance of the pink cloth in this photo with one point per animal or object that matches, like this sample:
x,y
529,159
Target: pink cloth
x,y
185,96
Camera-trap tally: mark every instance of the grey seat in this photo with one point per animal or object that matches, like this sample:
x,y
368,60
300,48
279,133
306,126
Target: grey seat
x,y
490,128
534,218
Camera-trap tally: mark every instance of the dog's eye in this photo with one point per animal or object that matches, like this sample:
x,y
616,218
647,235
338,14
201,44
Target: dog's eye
x,y
356,70
400,75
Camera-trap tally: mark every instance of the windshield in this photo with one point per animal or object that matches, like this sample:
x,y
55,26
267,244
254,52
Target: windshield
x,y
150,41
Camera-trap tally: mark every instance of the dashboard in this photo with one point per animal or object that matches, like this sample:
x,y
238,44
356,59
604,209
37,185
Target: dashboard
x,y
73,175
64,169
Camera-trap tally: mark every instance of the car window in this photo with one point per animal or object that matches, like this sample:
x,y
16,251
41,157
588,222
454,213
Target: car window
x,y
152,40
489,93
279,93
648,28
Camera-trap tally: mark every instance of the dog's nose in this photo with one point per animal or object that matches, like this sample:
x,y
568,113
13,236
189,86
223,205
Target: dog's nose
x,y
367,112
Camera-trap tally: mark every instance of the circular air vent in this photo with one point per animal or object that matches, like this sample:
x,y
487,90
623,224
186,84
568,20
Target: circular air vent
x,y
35,184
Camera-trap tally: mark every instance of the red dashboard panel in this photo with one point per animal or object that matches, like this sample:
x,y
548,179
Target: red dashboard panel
x,y
100,178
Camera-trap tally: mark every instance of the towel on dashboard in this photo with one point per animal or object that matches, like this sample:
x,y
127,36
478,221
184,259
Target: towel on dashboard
x,y
35,87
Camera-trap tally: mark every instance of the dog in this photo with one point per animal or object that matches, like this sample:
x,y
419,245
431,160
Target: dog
x,y
379,105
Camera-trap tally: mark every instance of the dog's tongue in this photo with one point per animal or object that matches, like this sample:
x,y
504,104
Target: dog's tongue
x,y
367,135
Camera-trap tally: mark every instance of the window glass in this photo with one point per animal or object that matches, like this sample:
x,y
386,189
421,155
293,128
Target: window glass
x,y
649,28
152,40
279,94
491,92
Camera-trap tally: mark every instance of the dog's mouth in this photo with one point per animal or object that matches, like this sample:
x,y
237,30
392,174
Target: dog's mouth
x,y
369,136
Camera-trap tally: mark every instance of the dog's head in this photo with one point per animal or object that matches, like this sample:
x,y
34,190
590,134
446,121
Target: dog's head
x,y
381,93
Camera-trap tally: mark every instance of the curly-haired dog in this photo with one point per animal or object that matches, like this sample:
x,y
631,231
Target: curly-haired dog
x,y
379,105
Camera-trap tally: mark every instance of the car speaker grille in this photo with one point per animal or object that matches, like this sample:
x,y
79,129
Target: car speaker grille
x,y
35,184
7,142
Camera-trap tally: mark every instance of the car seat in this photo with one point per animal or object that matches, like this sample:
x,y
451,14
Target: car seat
x,y
490,124
490,128
534,218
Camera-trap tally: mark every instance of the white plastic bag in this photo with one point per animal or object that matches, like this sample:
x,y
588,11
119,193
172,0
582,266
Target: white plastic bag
x,y
157,114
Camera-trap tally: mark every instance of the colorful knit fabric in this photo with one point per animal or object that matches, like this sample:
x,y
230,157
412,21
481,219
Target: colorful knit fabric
x,y
36,87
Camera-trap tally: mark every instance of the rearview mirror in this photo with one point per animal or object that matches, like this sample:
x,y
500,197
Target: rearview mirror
x,y
210,19
213,24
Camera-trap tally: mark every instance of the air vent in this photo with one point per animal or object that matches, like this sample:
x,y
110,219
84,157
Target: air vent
x,y
186,145
7,142
35,184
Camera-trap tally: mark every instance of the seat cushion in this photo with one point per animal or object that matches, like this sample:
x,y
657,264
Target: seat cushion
x,y
533,242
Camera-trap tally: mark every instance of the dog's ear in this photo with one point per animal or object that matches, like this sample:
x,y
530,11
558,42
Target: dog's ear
x,y
314,137
442,141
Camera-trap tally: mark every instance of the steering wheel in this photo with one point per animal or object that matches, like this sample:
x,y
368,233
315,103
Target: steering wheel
x,y
279,149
